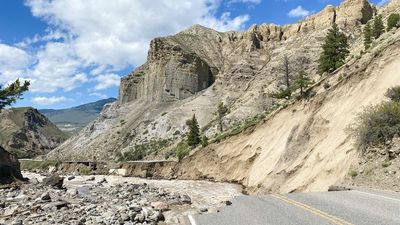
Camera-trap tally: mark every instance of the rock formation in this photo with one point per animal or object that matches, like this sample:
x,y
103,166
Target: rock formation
x,y
194,70
27,133
9,167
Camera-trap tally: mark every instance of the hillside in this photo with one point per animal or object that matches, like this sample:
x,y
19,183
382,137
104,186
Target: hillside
x,y
269,144
27,133
72,120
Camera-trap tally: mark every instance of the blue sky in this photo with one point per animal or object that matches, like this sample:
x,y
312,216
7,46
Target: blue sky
x,y
75,51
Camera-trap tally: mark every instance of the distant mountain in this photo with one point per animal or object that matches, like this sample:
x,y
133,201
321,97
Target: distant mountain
x,y
72,120
27,133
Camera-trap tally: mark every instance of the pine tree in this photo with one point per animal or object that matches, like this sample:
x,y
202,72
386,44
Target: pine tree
x,y
193,138
378,28
393,21
222,110
12,93
335,50
302,82
367,36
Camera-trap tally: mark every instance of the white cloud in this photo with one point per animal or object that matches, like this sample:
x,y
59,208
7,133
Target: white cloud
x,y
92,37
299,11
106,81
13,62
49,100
100,95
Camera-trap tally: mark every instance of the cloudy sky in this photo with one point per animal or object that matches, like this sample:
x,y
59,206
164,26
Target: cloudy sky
x,y
75,51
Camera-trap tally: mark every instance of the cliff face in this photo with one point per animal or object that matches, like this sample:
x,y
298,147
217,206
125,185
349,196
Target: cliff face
x,y
27,133
192,71
179,66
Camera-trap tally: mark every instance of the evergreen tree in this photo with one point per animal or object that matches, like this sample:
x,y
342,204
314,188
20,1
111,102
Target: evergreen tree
x,y
12,93
393,21
335,50
302,82
222,110
194,132
378,28
367,36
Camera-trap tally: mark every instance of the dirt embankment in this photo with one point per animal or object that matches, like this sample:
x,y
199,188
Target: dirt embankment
x,y
305,147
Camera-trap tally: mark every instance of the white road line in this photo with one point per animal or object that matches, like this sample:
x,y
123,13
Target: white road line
x,y
380,196
191,219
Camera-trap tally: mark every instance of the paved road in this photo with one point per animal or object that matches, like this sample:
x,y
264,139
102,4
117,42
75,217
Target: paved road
x,y
344,207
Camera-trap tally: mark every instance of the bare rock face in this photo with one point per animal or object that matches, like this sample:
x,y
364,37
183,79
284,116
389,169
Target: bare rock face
x,y
9,167
354,12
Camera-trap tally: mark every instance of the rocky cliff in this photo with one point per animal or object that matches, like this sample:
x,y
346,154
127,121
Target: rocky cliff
x,y
27,133
194,70
9,167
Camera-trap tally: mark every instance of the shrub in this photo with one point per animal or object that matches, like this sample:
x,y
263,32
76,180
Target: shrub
x,y
393,93
377,124
182,150
282,94
327,86
353,173
204,141
393,21
84,170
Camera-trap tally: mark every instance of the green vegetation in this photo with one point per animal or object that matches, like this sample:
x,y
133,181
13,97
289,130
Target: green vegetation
x,y
222,110
240,127
12,93
181,150
378,124
393,93
282,94
335,50
84,170
193,138
393,21
138,152
378,28
353,173
204,141
367,36
302,81
30,165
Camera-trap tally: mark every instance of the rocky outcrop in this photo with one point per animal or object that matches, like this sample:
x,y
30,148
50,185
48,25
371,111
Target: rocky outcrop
x,y
27,133
9,167
193,71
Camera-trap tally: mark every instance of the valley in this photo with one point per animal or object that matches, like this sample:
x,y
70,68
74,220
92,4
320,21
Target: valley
x,y
274,124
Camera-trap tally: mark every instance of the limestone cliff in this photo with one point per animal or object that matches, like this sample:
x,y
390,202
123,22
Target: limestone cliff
x,y
27,133
194,70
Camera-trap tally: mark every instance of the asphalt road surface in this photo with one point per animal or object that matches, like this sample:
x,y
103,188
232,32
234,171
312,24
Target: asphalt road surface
x,y
342,207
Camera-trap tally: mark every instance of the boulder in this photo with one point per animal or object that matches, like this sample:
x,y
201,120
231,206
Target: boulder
x,y
10,169
54,181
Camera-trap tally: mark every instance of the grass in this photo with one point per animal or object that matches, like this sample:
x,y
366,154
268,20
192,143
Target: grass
x,y
41,165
